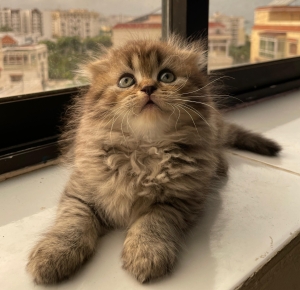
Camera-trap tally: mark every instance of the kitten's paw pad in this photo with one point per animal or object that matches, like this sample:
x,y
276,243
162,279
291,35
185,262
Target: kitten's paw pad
x,y
147,262
47,264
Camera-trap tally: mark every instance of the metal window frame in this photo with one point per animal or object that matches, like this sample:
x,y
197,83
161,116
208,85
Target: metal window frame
x,y
30,123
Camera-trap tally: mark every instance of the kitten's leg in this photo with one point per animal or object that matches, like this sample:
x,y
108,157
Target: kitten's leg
x,y
153,241
68,244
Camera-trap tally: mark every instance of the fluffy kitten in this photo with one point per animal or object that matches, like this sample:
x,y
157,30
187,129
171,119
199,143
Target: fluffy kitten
x,y
146,144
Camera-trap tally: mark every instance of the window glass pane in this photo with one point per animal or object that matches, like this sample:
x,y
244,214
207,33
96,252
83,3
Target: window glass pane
x,y
42,45
253,31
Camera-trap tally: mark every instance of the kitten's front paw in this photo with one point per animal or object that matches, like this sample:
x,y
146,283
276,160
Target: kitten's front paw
x,y
147,261
48,263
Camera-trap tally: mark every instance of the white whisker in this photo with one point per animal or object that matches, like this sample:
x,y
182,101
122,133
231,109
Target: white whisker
x,y
199,103
177,118
181,106
125,114
196,112
112,125
128,124
173,110
204,86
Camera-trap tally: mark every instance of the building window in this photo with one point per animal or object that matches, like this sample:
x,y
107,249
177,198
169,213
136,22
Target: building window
x,y
16,77
271,48
293,49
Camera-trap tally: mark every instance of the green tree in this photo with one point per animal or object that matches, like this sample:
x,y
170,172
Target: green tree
x,y
62,67
66,53
93,43
69,44
51,45
6,28
240,54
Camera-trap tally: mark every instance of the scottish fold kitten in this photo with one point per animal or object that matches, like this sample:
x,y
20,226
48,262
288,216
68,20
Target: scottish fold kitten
x,y
146,144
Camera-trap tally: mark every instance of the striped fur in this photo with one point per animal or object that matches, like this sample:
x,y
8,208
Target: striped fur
x,y
146,168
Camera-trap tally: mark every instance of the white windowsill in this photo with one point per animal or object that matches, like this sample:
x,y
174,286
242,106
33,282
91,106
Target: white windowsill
x,y
252,217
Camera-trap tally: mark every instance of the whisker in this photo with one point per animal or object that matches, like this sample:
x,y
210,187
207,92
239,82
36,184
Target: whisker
x,y
172,108
113,112
112,128
177,118
130,125
105,115
199,103
180,87
196,112
216,96
180,106
125,114
204,86
133,112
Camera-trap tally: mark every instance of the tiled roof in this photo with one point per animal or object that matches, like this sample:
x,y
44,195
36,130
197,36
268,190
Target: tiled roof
x,y
137,25
215,25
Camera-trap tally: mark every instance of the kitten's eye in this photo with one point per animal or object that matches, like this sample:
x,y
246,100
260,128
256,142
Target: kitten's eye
x,y
166,76
126,81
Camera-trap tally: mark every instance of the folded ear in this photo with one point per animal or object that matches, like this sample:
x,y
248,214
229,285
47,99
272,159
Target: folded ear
x,y
88,71
98,66
195,50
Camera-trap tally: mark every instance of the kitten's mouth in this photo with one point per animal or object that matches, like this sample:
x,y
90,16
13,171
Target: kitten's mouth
x,y
150,104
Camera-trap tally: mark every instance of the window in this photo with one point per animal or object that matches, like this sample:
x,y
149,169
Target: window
x,y
38,79
16,78
271,48
32,122
293,48
257,31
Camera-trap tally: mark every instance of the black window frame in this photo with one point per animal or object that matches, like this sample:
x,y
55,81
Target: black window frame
x,y
30,124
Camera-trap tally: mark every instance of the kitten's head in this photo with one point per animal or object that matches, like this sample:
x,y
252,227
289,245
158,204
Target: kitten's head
x,y
147,88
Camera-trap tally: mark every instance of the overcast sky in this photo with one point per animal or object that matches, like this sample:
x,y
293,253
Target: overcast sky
x,y
108,7
244,8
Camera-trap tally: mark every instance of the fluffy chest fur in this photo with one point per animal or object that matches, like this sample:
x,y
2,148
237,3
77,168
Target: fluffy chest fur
x,y
144,173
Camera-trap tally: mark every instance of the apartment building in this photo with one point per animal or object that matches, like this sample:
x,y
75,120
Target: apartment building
x,y
218,46
75,22
234,26
148,26
5,17
276,33
27,21
12,18
16,19
24,68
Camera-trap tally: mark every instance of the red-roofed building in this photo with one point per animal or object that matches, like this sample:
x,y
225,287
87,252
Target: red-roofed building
x,y
8,41
148,26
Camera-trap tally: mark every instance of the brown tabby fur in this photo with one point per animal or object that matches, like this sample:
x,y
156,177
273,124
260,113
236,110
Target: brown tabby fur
x,y
146,168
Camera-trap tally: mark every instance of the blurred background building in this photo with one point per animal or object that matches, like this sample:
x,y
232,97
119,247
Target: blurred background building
x,y
276,32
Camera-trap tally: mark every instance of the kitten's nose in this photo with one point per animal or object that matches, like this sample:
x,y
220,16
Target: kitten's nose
x,y
148,90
